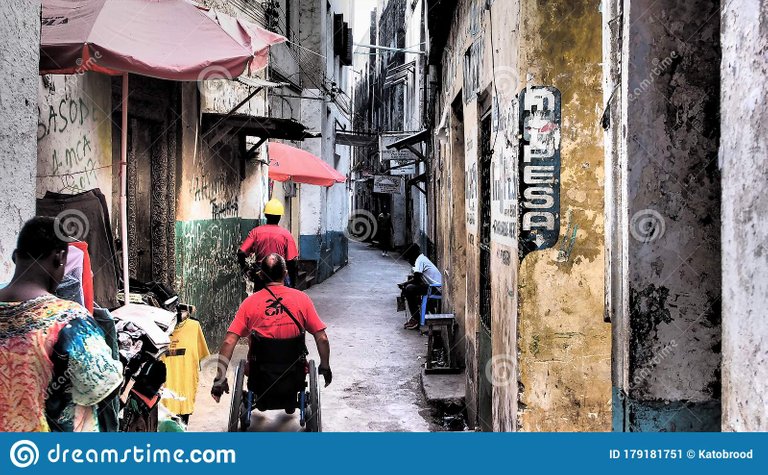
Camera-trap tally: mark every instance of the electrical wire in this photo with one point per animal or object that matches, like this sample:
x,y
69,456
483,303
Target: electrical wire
x,y
318,82
323,81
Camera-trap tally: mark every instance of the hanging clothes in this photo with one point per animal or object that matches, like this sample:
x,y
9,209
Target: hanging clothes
x,y
74,270
70,289
109,408
80,251
101,247
188,348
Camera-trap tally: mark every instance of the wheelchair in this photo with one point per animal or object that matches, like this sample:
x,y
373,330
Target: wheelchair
x,y
279,377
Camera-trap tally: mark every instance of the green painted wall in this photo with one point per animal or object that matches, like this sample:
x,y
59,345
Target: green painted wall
x,y
207,272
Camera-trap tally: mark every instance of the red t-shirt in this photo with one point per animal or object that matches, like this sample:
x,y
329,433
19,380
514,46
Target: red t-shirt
x,y
268,239
260,313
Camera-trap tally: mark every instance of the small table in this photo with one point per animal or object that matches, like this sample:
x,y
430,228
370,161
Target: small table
x,y
442,323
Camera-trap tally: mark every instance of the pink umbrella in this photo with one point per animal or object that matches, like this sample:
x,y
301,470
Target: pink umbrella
x,y
291,163
166,39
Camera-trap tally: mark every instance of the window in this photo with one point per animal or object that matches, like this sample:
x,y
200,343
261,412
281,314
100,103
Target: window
x,y
472,59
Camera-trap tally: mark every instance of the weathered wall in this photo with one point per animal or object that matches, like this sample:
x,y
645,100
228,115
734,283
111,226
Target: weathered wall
x,y
461,277
19,58
324,211
743,151
667,318
220,199
563,345
447,188
74,135
313,198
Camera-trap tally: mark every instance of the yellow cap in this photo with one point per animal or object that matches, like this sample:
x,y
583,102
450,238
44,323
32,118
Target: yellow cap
x,y
274,207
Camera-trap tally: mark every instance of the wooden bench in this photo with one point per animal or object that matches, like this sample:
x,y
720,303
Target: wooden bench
x,y
441,324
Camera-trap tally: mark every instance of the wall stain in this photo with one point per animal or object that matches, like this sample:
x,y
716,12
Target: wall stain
x,y
648,309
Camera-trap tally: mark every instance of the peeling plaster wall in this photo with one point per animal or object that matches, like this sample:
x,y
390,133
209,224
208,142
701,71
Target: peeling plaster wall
x,y
558,331
312,198
447,188
743,152
459,287
19,57
667,317
565,347
220,198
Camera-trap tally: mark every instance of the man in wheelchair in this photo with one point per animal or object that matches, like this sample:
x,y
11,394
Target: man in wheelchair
x,y
275,319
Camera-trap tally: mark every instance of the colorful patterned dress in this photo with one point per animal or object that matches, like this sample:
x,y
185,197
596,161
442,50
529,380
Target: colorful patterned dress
x,y
54,366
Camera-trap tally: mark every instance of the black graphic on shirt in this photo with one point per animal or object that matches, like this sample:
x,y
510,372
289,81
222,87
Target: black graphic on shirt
x,y
274,307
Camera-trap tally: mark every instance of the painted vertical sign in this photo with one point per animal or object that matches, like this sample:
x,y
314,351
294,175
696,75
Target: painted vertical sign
x,y
539,168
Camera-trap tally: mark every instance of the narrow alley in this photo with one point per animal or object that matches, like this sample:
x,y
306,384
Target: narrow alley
x,y
487,216
376,386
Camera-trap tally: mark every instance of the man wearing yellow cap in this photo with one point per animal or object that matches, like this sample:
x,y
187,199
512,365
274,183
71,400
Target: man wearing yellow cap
x,y
271,238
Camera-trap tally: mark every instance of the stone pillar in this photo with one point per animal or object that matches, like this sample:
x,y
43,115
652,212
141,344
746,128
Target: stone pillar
x,y
743,151
663,207
19,57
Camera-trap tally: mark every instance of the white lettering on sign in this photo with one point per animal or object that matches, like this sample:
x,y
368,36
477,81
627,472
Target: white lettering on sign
x,y
538,174
540,168
538,197
538,220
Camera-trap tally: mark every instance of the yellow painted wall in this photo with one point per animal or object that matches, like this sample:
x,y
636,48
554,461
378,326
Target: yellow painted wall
x,y
565,346
548,334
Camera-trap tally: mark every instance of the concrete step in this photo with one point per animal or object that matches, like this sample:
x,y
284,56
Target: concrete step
x,y
443,389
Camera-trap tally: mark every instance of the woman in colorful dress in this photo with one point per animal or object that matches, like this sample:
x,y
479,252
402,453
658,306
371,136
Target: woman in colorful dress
x,y
55,365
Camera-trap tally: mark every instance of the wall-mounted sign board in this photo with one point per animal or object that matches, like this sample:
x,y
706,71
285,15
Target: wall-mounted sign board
x,y
391,185
539,168
400,162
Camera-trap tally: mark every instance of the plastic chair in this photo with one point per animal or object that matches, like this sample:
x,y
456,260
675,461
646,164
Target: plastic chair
x,y
434,292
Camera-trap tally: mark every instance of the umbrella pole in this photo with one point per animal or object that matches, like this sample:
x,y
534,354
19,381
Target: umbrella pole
x,y
124,186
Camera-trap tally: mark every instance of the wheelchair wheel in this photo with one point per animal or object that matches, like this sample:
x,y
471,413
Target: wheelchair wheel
x,y
236,408
314,419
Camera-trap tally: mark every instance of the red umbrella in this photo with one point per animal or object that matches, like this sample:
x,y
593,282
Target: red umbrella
x,y
291,163
166,39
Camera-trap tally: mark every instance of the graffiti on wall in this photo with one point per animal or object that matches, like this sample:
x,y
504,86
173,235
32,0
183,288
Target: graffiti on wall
x,y
207,272
218,193
67,132
539,169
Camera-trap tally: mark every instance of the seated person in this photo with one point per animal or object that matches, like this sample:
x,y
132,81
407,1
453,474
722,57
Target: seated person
x,y
262,314
425,273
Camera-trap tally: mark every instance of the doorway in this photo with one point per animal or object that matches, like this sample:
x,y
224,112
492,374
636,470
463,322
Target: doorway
x,y
485,353
153,131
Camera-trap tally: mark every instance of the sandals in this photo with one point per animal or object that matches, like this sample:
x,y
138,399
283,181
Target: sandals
x,y
411,324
